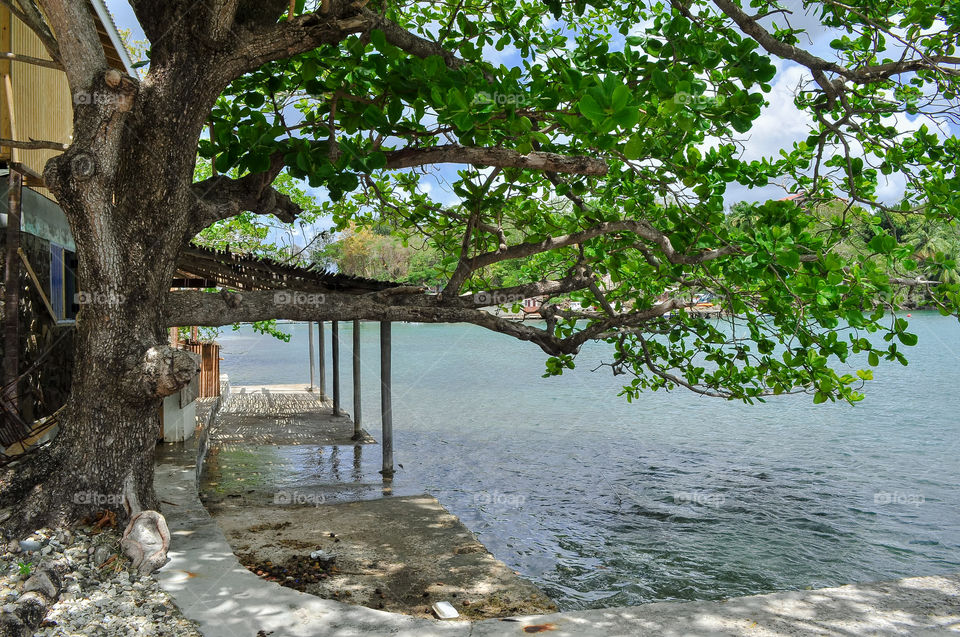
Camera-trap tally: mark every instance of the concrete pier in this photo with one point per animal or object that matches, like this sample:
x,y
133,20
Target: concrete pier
x,y
282,415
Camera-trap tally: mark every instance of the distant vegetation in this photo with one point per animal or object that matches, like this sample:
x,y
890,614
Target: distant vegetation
x,y
383,253
931,245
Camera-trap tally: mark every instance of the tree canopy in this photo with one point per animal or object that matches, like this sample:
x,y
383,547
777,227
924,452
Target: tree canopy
x,y
601,161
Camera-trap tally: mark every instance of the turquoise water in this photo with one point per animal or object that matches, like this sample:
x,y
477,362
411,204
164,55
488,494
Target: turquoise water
x,y
675,496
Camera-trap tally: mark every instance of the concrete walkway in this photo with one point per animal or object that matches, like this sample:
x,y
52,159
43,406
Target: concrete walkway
x,y
226,600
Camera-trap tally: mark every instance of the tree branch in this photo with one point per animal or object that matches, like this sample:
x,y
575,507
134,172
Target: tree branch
x,y
223,14
641,228
516,293
80,51
28,13
256,45
33,144
27,59
335,20
499,157
221,197
225,308
864,75
409,42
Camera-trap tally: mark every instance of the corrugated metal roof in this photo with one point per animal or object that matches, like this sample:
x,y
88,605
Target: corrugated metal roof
x,y
113,37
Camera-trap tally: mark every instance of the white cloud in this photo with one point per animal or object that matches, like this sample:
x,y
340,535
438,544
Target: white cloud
x,y
780,123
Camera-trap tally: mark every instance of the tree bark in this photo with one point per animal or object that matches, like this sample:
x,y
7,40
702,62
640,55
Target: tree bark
x,y
124,185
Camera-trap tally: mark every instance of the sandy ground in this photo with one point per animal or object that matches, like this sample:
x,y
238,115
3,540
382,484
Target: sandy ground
x,y
400,554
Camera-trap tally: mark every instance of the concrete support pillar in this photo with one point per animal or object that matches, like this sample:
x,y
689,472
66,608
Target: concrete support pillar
x,y
310,347
322,354
386,398
335,345
357,427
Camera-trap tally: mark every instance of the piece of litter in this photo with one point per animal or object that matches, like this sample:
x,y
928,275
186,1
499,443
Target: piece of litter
x,y
445,610
317,554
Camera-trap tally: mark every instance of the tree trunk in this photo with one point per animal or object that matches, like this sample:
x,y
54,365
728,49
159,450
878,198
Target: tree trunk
x,y
124,186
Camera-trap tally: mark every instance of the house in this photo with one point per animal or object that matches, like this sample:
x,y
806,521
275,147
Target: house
x,y
532,304
38,251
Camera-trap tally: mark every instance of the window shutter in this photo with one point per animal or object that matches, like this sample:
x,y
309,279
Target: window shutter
x,y
56,281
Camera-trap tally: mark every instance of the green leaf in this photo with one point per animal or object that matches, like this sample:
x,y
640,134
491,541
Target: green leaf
x,y
375,161
789,259
258,163
907,338
591,110
394,110
379,41
620,98
634,147
223,162
254,99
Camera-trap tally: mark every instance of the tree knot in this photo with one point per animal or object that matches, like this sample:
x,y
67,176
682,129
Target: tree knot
x,y
232,299
165,370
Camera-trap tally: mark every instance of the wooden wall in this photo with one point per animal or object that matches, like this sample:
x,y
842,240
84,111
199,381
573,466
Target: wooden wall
x,y
42,104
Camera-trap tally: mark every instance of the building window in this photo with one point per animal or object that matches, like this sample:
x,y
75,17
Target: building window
x,y
63,282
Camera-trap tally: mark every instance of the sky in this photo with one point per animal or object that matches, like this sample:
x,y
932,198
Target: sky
x,y
779,125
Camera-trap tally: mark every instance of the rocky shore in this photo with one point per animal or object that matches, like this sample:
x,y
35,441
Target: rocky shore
x,y
62,583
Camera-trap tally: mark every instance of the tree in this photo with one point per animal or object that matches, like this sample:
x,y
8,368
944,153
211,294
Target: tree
x,y
608,150
379,253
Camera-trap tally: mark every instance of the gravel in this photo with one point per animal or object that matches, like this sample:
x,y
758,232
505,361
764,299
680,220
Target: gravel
x,y
101,596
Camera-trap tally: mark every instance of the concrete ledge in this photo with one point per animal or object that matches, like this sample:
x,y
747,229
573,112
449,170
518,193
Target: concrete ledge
x,y
211,587
913,606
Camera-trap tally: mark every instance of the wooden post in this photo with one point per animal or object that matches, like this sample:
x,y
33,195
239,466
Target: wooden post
x,y
310,347
357,427
335,342
322,354
386,414
8,90
11,282
213,143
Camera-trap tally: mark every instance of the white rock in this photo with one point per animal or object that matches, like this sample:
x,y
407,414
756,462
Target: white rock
x,y
29,545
